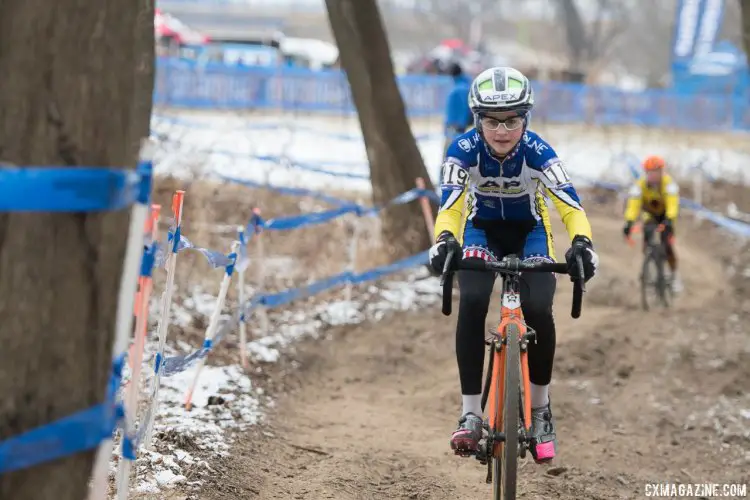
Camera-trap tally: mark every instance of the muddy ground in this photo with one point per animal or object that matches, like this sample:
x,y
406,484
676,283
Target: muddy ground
x,y
638,397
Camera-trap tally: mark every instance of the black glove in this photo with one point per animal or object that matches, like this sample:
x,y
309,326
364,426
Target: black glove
x,y
439,251
582,246
628,227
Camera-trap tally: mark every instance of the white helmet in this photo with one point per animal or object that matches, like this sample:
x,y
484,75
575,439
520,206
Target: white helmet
x,y
501,89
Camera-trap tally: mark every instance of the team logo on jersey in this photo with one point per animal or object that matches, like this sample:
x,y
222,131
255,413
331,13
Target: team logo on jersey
x,y
509,186
536,145
465,144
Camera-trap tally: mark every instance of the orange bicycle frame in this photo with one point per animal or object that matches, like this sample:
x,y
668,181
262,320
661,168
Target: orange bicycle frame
x,y
510,314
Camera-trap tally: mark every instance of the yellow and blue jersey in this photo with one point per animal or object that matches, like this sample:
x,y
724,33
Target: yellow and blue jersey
x,y
661,201
475,184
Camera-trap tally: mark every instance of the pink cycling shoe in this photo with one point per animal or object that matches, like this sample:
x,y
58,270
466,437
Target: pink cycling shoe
x,y
542,434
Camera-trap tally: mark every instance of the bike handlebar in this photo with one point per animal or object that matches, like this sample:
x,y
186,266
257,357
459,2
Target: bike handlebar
x,y
511,267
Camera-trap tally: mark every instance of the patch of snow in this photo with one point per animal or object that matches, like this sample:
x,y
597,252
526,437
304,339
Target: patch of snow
x,y
225,399
222,144
166,478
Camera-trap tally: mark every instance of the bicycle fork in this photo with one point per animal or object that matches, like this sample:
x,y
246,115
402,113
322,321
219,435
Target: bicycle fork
x,y
497,344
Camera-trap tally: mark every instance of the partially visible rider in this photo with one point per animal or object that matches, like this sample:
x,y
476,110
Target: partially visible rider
x,y
458,117
657,196
496,180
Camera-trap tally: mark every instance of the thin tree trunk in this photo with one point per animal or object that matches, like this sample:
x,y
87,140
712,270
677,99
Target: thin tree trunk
x,y
395,160
575,33
76,90
745,8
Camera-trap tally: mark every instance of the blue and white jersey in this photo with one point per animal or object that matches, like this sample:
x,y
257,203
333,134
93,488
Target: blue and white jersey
x,y
513,189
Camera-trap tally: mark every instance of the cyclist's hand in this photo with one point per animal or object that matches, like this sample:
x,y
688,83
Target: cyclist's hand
x,y
445,242
668,226
582,246
627,229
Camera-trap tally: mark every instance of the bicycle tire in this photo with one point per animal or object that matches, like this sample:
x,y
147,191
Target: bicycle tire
x,y
506,469
645,279
662,286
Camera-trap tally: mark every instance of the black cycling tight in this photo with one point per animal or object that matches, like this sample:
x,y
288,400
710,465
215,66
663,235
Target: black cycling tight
x,y
537,293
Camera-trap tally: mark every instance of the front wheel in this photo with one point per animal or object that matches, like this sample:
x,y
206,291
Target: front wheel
x,y
505,463
649,277
663,283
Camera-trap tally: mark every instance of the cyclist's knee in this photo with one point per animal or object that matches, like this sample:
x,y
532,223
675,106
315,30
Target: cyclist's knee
x,y
476,289
536,308
537,295
475,298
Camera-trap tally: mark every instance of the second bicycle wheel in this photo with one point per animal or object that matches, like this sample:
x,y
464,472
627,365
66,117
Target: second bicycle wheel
x,y
649,277
506,465
663,282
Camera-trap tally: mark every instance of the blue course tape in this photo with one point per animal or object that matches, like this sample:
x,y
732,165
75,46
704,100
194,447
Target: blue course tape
x,y
297,221
287,296
287,190
310,219
276,126
177,364
71,189
82,431
214,258
737,227
281,160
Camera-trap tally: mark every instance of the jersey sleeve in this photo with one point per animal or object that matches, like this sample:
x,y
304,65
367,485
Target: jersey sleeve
x,y
453,186
671,198
635,201
551,172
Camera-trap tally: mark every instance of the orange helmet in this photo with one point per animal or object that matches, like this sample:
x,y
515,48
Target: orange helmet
x,y
653,163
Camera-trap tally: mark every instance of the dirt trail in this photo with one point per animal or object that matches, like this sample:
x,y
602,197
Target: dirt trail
x,y
372,413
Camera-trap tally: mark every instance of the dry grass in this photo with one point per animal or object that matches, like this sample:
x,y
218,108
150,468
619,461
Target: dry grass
x,y
212,212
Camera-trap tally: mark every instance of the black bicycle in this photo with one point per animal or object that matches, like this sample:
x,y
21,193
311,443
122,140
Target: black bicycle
x,y
505,398
655,278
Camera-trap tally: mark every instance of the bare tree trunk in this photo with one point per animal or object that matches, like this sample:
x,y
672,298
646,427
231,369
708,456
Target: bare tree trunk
x,y
76,90
745,7
394,158
575,32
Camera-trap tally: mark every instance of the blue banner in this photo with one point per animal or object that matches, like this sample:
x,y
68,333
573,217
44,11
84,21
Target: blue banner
x,y
687,19
697,24
215,86
712,16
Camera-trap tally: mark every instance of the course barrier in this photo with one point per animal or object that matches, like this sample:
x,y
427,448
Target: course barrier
x,y
191,84
84,189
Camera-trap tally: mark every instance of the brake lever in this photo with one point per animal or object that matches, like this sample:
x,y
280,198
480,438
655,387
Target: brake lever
x,y
446,282
581,274
447,271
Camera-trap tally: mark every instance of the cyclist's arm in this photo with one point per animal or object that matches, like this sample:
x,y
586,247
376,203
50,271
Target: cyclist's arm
x,y
671,199
547,167
558,187
453,189
635,200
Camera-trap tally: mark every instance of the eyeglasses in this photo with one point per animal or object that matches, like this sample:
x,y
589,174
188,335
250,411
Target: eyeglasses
x,y
510,124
